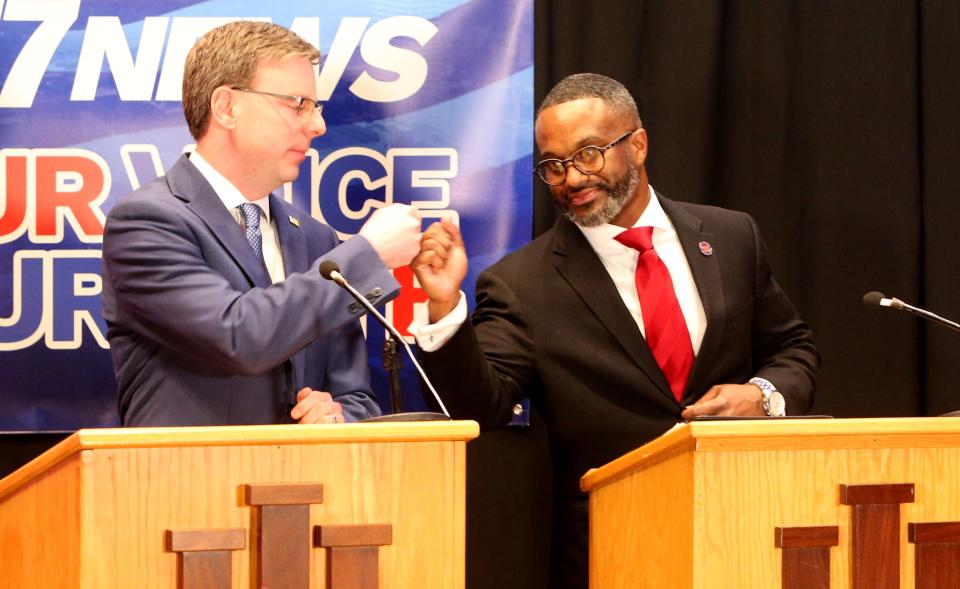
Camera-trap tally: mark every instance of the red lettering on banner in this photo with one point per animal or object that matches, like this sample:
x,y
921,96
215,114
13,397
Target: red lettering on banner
x,y
74,183
409,296
14,196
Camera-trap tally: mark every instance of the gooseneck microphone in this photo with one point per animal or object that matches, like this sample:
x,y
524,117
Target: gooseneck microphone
x,y
877,299
331,271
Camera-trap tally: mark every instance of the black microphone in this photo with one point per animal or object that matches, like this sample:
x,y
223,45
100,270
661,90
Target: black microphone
x,y
877,299
331,271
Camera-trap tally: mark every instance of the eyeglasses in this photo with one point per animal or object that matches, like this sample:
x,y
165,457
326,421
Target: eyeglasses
x,y
305,106
587,160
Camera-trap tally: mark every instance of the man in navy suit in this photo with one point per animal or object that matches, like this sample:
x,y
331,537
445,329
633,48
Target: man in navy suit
x,y
612,346
215,308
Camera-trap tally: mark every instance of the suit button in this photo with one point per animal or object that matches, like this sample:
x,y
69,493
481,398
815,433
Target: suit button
x,y
375,292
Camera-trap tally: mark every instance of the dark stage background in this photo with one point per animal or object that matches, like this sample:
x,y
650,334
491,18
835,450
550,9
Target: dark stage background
x,y
836,124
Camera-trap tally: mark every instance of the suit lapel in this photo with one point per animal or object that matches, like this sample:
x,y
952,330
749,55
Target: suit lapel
x,y
709,282
293,248
583,270
187,184
293,243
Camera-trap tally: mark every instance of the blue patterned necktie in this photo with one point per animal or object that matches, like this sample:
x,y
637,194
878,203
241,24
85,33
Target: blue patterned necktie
x,y
251,218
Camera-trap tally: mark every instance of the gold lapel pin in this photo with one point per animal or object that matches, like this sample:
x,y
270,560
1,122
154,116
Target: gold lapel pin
x,y
294,221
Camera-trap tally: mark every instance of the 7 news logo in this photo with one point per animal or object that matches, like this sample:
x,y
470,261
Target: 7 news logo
x,y
151,67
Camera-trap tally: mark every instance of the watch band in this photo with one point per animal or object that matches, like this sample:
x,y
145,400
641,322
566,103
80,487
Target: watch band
x,y
773,402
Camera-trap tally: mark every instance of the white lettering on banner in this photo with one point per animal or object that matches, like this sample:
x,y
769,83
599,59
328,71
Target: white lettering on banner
x,y
410,67
56,17
184,32
73,275
126,156
104,38
44,187
143,70
335,63
385,167
308,27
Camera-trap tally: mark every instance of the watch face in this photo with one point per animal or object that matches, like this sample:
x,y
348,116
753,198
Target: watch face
x,y
776,406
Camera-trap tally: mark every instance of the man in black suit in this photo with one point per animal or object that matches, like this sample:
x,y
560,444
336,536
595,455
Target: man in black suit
x,y
612,345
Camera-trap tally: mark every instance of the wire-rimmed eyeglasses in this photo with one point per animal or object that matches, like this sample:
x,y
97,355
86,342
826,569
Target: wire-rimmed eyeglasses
x,y
305,106
587,160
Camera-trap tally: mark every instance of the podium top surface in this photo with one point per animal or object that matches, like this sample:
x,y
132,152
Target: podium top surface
x,y
241,435
781,434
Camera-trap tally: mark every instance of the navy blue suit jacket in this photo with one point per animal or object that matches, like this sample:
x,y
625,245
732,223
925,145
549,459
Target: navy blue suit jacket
x,y
198,333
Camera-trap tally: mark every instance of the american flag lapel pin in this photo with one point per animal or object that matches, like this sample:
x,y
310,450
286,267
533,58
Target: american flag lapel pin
x,y
705,248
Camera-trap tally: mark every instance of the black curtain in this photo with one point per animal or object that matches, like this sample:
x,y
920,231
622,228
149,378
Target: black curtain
x,y
835,124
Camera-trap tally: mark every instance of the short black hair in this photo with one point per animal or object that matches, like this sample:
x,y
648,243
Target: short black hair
x,y
580,86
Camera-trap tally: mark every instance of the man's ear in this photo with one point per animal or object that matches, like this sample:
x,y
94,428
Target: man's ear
x,y
638,146
222,107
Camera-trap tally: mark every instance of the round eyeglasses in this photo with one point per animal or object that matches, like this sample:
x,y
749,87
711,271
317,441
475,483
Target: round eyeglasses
x,y
587,160
305,106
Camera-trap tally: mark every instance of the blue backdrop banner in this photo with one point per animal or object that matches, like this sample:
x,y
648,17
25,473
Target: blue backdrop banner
x,y
427,103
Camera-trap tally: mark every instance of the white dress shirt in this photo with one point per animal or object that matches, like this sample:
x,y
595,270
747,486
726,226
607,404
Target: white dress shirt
x,y
233,198
621,264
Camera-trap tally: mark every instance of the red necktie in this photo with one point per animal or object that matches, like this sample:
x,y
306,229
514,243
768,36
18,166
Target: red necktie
x,y
666,330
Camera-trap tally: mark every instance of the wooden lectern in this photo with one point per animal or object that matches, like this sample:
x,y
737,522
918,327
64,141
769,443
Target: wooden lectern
x,y
345,506
792,503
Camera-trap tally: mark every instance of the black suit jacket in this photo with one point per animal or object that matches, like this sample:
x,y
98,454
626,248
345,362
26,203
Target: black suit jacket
x,y
550,325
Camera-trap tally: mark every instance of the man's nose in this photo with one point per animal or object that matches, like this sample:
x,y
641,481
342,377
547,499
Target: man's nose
x,y
316,125
575,178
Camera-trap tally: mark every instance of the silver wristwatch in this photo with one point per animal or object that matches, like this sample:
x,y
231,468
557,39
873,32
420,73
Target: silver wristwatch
x,y
773,403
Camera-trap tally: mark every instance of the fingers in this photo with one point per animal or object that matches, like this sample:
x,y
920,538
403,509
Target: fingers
x,y
726,399
701,408
316,407
441,267
394,233
330,412
304,393
711,394
453,231
437,244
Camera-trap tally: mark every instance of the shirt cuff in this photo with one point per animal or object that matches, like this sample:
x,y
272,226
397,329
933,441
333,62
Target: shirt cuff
x,y
432,336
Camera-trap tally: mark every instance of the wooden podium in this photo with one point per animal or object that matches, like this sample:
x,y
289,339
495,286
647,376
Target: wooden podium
x,y
335,506
863,503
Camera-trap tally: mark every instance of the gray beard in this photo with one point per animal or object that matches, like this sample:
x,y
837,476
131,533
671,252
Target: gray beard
x,y
618,196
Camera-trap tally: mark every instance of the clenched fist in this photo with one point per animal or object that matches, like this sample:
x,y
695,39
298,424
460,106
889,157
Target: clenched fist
x,y
441,266
394,233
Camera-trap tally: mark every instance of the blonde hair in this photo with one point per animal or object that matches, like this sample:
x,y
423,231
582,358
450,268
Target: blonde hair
x,y
229,55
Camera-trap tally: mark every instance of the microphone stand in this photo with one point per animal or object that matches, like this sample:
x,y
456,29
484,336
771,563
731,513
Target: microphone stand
x,y
392,364
877,299
330,271
902,306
